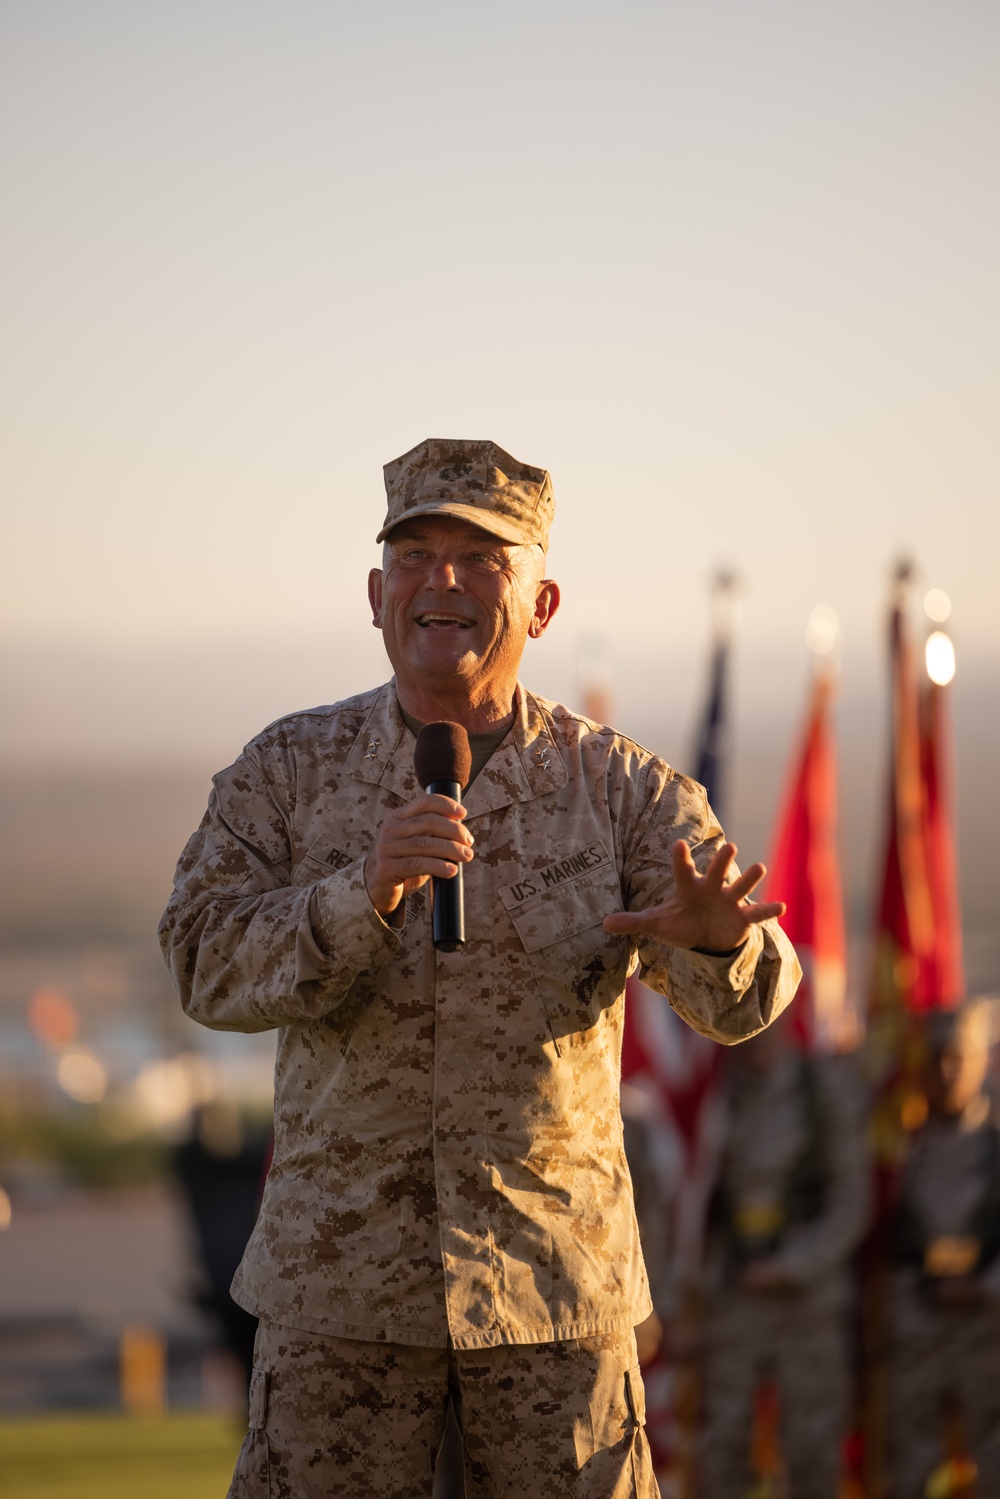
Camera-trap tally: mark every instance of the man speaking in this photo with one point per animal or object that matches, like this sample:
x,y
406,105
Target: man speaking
x,y
449,1211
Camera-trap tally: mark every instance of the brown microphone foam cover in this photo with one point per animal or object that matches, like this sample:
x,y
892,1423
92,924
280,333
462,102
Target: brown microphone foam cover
x,y
442,754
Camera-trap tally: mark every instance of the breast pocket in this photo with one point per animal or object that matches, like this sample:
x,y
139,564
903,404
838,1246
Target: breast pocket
x,y
579,968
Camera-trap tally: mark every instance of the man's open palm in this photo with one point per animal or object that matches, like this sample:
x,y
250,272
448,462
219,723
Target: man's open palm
x,y
701,910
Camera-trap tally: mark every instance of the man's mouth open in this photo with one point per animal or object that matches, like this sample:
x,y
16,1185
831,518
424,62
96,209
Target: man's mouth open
x,y
443,622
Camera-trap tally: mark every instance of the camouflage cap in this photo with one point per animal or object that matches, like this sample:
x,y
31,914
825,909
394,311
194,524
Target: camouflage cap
x,y
475,481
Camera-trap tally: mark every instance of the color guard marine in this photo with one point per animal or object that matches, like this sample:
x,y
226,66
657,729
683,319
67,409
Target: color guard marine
x,y
944,1369
790,1208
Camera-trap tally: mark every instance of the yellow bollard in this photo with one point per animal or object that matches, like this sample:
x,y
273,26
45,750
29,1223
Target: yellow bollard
x,y
143,1371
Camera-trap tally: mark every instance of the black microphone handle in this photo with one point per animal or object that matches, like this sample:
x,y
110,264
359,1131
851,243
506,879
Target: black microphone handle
x,y
447,904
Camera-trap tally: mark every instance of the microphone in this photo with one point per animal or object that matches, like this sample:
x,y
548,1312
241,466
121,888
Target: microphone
x,y
443,762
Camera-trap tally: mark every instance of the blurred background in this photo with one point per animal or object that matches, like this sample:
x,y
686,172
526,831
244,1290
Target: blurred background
x,y
728,271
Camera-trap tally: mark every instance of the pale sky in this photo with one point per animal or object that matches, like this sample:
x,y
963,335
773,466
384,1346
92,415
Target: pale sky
x,y
728,270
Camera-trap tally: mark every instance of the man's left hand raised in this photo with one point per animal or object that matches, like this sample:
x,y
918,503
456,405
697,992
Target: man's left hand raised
x,y
701,910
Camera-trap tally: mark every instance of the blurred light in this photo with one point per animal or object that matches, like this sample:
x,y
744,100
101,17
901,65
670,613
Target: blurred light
x,y
52,1017
5,1210
165,1094
913,1112
940,656
822,630
81,1075
937,605
594,670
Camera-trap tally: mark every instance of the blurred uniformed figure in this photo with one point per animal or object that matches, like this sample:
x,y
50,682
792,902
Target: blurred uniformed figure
x,y
790,1207
220,1168
651,1210
944,1391
641,1129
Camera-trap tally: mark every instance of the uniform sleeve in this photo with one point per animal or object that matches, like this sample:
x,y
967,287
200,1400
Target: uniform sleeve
x,y
726,998
248,947
823,1244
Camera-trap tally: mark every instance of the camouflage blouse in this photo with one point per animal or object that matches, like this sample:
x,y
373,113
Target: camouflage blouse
x,y
448,1154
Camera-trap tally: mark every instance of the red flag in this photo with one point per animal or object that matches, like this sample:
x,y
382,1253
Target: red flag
x,y
917,968
944,979
804,872
904,936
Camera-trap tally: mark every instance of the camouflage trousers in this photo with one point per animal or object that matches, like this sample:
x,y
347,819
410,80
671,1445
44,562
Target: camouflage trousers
x,y
944,1361
802,1347
335,1416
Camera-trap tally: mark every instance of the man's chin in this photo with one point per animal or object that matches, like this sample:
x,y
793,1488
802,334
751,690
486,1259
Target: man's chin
x,y
441,662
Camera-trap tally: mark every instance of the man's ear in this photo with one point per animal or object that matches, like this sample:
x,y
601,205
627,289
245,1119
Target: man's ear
x,y
546,604
375,596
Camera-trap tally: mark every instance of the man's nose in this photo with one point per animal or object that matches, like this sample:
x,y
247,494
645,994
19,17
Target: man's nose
x,y
445,575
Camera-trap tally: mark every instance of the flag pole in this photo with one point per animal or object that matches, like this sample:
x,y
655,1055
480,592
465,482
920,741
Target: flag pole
x,y
945,983
711,749
903,938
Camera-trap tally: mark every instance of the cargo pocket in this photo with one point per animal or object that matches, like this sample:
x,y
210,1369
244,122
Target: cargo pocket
x,y
635,1397
617,1413
252,1475
644,1484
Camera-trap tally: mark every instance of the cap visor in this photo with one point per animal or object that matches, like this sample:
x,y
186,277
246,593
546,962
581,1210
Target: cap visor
x,y
483,520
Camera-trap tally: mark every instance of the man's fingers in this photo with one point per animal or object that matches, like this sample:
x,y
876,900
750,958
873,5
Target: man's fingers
x,y
433,820
623,923
442,861
426,837
416,855
685,870
421,831
702,911
409,869
747,882
441,806
434,843
715,874
755,914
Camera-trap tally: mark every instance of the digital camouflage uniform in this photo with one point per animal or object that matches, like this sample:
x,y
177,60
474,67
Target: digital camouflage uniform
x,y
944,1366
793,1188
448,1169
325,1411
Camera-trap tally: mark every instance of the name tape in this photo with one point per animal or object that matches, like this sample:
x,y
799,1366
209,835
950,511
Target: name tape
x,y
559,872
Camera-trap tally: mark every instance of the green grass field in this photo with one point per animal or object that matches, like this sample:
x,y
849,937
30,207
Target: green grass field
x,y
117,1457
